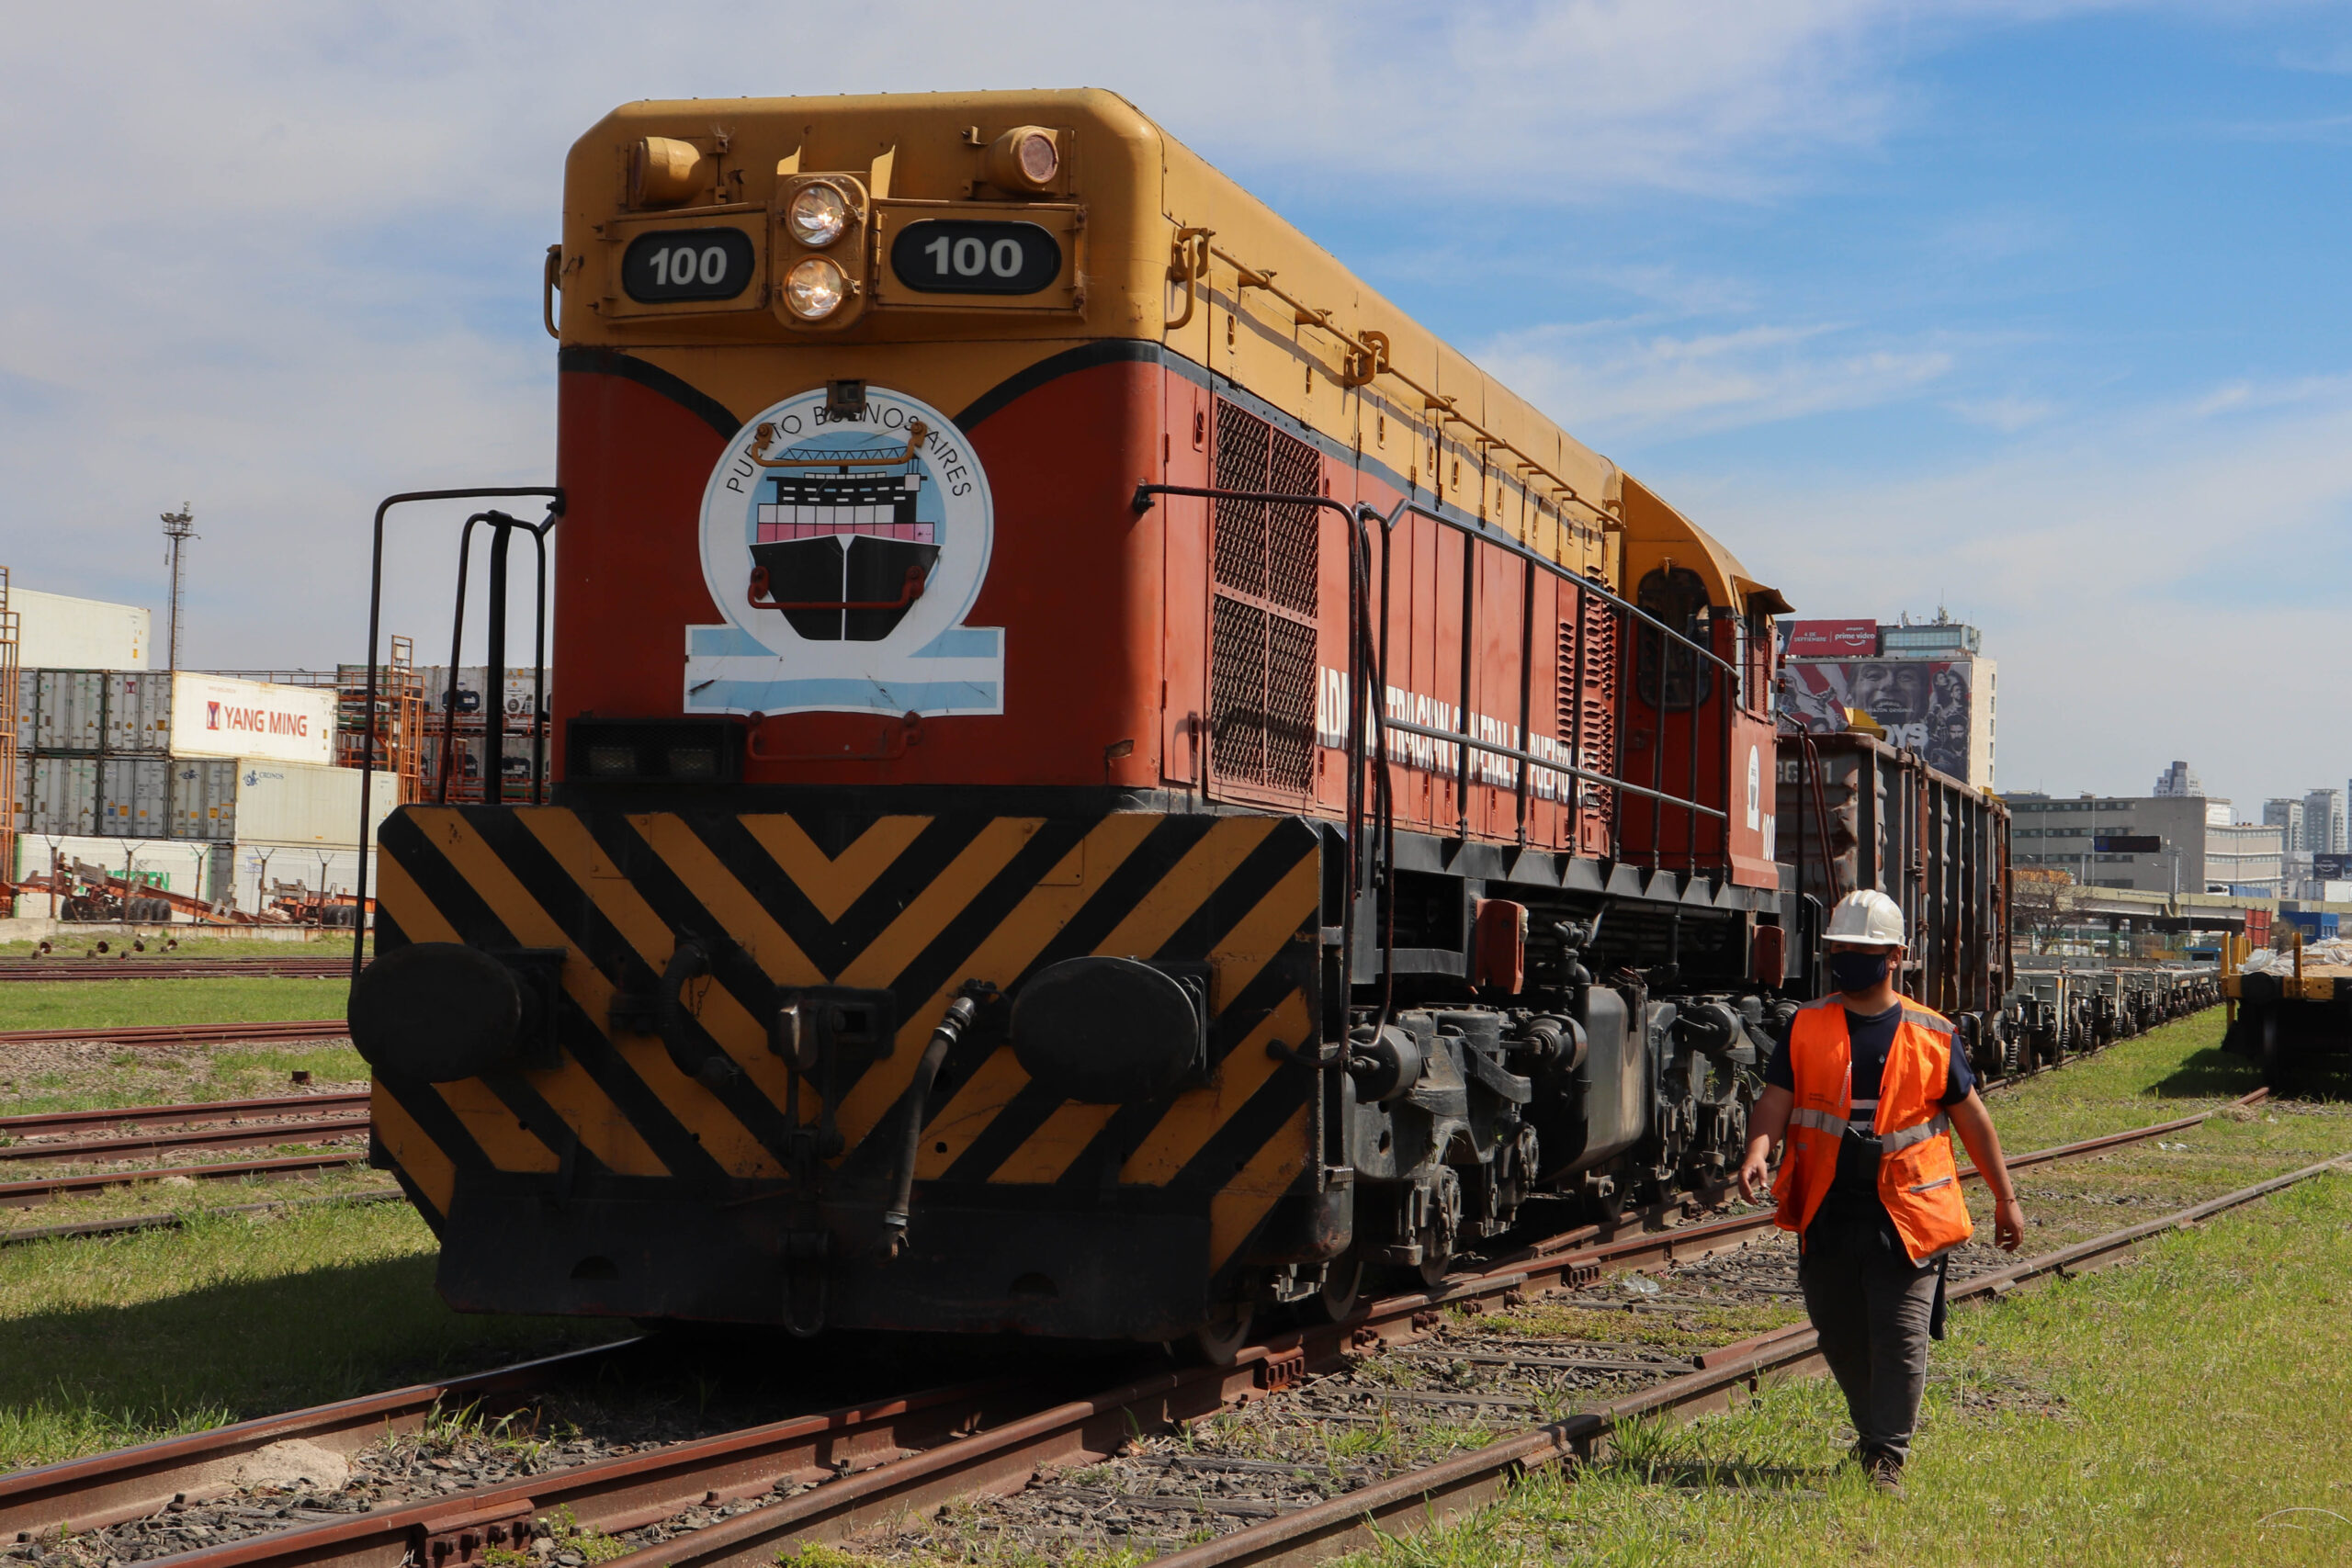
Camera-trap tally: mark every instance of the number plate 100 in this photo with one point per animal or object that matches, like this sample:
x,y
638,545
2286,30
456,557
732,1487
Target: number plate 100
x,y
949,255
687,263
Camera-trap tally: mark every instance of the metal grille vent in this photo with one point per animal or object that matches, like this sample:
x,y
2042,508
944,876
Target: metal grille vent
x,y
1267,561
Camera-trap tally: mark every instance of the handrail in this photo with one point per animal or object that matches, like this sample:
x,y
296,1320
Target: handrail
x,y
554,496
1367,357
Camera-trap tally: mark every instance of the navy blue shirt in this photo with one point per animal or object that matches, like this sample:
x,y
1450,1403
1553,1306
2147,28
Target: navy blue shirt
x,y
1852,1217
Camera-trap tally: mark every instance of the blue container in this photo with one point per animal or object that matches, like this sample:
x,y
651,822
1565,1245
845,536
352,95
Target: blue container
x,y
2315,923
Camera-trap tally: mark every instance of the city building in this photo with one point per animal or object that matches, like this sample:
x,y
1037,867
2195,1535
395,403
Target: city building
x,y
1927,685
2179,779
2324,822
2160,843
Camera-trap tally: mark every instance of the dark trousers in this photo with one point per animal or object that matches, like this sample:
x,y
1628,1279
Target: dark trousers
x,y
1871,1310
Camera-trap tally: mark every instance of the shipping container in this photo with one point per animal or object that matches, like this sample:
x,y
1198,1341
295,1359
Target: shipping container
x,y
219,716
71,715
139,714
65,796
27,709
134,797
293,803
204,799
2315,923
59,631
195,870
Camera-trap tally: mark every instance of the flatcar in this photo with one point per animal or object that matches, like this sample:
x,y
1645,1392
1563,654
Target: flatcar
x,y
1105,781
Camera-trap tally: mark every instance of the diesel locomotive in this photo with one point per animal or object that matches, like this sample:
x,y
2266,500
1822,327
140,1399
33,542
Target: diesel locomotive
x,y
1105,780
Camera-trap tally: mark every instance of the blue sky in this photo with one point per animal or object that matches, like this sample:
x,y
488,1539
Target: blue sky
x,y
2033,308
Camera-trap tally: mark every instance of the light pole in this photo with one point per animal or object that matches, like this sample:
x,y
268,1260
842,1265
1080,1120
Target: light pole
x,y
179,527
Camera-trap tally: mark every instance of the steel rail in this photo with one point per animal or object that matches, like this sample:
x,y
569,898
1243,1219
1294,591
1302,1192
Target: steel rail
x,y
1422,1499
129,968
125,1224
964,1455
244,1135
128,1483
49,1123
45,1189
167,1034
627,1494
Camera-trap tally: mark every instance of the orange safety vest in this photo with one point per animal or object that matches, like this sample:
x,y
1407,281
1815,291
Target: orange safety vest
x,y
1917,1179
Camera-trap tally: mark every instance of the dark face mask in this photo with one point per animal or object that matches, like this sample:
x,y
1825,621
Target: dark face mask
x,y
1852,972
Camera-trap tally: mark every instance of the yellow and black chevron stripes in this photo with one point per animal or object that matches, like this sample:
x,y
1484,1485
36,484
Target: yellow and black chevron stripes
x,y
916,905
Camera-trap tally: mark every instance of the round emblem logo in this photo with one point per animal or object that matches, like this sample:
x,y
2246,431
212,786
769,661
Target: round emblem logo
x,y
845,553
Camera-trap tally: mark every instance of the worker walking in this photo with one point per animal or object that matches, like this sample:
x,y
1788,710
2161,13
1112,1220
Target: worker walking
x,y
1866,1087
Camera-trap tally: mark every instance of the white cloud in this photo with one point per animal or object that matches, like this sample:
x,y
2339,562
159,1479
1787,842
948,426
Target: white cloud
x,y
2153,585
2007,415
279,259
1609,384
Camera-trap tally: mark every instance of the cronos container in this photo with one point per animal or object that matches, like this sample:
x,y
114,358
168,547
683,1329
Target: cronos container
x,y
291,803
204,799
134,797
72,709
139,714
65,796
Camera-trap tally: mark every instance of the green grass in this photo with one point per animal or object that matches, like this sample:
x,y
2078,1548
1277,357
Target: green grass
x,y
112,1003
2186,1408
2178,1409
108,1342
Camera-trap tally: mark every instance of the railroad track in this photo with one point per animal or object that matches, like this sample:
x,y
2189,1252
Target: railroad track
x,y
220,1125
158,1034
833,1474
126,966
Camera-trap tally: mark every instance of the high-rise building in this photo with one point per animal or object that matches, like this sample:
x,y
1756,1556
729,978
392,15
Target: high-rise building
x,y
1925,684
2285,813
2179,779
2160,843
2324,822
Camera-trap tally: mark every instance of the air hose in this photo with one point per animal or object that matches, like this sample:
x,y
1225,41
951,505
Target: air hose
x,y
918,1095
710,1069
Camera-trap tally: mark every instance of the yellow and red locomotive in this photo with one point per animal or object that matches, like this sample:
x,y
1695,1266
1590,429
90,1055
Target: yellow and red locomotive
x,y
1104,777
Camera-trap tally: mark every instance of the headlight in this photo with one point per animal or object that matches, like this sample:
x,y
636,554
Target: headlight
x,y
815,289
819,214
1038,159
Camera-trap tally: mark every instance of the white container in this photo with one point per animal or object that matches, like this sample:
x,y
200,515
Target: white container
x,y
72,708
215,715
204,799
173,868
87,634
134,797
20,791
65,796
289,803
27,709
139,714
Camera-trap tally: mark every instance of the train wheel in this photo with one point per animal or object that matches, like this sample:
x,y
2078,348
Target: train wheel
x,y
1444,1232
1342,1291
1219,1341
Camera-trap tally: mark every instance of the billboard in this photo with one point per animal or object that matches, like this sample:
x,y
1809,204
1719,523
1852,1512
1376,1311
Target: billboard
x,y
2331,867
213,716
1921,704
1832,639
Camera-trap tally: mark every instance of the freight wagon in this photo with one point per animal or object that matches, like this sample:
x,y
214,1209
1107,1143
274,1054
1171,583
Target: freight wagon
x,y
1854,813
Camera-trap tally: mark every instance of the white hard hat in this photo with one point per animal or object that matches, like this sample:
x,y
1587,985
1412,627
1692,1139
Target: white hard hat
x,y
1868,916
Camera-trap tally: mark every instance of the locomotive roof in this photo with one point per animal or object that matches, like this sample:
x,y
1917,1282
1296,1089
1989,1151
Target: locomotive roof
x,y
1435,412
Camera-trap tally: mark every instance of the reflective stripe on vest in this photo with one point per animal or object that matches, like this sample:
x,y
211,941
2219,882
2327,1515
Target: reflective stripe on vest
x,y
1904,1137
1918,1177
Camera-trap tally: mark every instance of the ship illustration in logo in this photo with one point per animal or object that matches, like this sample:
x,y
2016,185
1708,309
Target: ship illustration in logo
x,y
840,547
